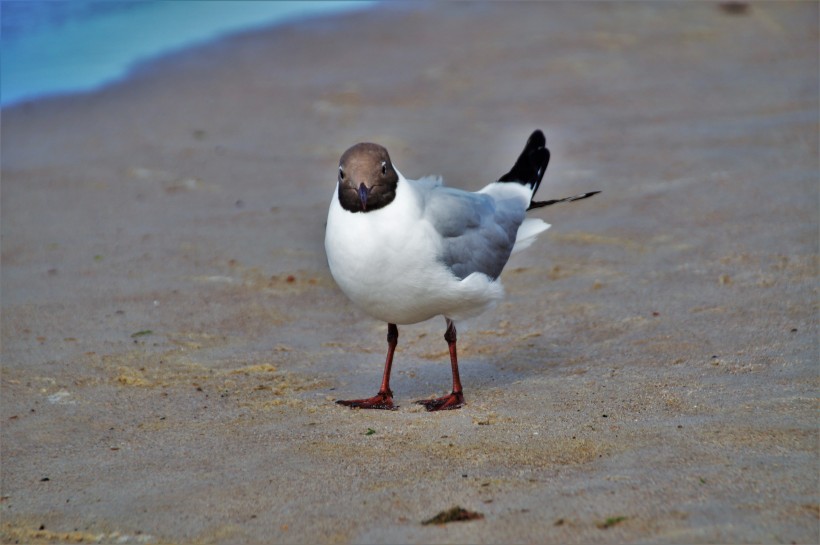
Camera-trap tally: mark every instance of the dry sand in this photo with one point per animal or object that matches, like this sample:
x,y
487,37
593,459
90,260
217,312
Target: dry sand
x,y
173,342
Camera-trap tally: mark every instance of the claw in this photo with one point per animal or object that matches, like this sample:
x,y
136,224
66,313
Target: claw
x,y
446,403
382,400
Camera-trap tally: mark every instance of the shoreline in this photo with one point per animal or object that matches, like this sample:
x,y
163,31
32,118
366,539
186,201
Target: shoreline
x,y
201,34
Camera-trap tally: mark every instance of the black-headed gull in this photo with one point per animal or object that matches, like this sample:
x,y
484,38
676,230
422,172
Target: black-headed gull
x,y
406,250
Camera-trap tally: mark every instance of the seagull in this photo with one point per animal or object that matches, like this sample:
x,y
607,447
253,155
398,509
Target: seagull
x,y
405,251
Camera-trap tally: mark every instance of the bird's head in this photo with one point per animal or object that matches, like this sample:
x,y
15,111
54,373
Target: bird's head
x,y
367,179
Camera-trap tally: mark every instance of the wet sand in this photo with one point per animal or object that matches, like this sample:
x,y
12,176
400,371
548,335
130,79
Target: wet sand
x,y
172,341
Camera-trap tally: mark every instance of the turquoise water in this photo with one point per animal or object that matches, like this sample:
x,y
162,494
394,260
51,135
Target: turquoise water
x,y
57,47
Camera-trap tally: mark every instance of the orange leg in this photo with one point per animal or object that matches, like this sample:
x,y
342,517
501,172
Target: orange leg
x,y
456,399
383,399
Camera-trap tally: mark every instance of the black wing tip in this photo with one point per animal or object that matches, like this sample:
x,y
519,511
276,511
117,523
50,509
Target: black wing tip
x,y
536,140
531,165
539,204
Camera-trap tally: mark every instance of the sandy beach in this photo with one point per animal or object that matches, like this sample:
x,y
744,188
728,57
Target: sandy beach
x,y
173,343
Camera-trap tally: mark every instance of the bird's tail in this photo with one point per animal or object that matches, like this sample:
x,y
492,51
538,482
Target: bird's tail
x,y
530,167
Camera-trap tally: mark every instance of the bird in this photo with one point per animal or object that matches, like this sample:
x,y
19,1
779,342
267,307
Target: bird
x,y
405,251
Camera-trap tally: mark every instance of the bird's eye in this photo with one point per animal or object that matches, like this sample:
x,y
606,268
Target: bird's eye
x,y
341,174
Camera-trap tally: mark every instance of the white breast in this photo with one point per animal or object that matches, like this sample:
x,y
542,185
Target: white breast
x,y
386,262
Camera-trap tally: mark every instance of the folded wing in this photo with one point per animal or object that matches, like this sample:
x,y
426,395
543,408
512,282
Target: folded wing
x,y
478,231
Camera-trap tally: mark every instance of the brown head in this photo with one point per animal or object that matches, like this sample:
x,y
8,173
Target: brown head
x,y
367,179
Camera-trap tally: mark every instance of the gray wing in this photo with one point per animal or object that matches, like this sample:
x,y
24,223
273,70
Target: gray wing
x,y
478,232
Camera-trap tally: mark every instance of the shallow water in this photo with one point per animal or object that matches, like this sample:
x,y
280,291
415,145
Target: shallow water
x,y
52,47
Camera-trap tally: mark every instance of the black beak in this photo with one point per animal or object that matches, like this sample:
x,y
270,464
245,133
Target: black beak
x,y
363,191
